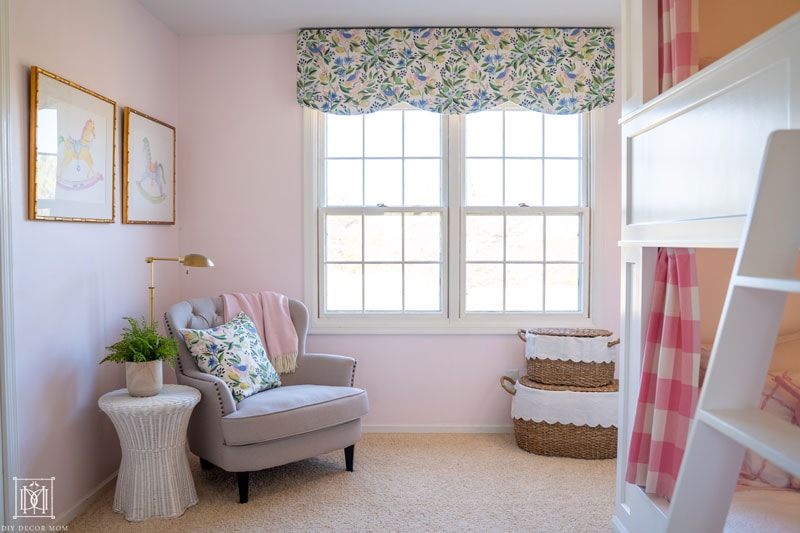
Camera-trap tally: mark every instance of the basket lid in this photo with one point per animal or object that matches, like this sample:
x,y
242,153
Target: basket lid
x,y
525,381
569,332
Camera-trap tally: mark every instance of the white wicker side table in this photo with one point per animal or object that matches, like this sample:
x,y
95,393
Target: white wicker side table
x,y
154,479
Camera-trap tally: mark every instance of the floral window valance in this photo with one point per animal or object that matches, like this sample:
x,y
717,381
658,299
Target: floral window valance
x,y
455,70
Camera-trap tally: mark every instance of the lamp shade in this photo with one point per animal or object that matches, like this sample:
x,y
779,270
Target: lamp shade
x,y
197,260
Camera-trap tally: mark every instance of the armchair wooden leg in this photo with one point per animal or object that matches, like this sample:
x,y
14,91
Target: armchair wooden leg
x,y
348,457
206,465
243,479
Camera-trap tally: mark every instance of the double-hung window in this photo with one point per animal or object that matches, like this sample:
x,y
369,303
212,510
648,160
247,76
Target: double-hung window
x,y
424,222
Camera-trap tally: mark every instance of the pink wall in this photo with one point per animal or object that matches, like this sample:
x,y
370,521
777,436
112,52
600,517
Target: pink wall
x,y
73,282
241,147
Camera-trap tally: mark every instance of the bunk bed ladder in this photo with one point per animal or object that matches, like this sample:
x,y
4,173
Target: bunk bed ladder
x,y
728,420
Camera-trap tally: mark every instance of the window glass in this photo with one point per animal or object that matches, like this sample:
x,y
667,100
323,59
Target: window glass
x,y
562,136
484,137
383,134
383,181
343,136
422,134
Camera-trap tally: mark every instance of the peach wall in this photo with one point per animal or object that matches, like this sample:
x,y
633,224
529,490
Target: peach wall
x,y
726,25
241,149
714,267
73,282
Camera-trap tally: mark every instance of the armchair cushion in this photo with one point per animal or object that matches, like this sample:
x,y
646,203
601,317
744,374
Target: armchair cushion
x,y
292,410
234,353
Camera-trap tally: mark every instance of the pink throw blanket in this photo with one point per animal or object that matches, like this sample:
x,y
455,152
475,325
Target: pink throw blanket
x,y
269,311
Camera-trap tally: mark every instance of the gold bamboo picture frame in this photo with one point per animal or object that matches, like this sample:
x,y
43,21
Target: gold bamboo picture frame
x,y
148,169
72,165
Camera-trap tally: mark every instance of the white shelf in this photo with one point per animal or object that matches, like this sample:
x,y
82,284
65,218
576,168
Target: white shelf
x,y
772,438
779,284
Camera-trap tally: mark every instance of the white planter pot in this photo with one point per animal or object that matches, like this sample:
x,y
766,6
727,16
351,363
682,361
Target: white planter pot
x,y
144,379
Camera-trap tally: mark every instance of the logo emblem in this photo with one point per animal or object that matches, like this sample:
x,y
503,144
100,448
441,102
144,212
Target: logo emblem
x,y
33,498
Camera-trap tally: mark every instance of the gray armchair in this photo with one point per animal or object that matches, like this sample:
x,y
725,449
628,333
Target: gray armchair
x,y
315,411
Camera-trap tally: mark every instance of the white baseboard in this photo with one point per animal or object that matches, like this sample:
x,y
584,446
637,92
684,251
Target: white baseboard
x,y
84,504
437,429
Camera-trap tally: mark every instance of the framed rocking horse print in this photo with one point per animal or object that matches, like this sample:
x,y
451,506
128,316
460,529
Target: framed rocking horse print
x,y
71,173
148,170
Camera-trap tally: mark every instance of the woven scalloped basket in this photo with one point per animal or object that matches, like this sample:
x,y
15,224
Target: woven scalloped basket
x,y
576,373
566,440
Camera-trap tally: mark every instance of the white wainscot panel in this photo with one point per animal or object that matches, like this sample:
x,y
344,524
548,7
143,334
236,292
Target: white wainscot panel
x,y
703,161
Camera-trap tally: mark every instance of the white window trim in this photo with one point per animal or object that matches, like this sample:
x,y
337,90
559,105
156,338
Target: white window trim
x,y
382,324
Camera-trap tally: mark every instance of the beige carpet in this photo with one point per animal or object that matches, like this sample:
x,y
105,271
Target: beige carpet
x,y
402,483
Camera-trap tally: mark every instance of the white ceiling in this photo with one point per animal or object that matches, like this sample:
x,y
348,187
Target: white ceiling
x,y
206,17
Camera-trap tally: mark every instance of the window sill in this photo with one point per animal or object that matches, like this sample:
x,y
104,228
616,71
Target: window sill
x,y
472,326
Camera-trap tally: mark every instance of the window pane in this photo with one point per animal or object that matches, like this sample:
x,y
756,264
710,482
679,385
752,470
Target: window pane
x,y
484,288
392,260
383,288
423,134
484,238
562,135
423,182
383,134
562,292
523,134
523,181
423,237
423,287
344,181
383,181
343,238
484,134
484,179
524,238
524,288
343,287
562,182
383,237
344,135
563,238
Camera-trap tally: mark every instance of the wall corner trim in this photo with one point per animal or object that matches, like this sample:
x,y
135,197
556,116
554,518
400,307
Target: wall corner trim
x,y
9,445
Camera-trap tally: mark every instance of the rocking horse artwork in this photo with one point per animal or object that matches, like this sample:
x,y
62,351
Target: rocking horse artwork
x,y
72,163
151,182
148,184
78,153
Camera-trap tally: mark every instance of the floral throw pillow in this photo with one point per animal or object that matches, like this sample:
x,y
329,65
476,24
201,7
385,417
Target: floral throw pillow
x,y
234,353
780,397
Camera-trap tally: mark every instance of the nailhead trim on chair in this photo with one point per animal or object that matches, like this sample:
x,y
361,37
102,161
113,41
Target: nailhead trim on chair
x,y
172,334
353,375
219,399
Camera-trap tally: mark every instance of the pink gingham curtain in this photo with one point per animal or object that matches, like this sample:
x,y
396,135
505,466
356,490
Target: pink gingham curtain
x,y
677,41
670,369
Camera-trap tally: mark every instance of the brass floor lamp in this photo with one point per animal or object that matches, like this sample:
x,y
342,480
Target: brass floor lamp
x,y
189,260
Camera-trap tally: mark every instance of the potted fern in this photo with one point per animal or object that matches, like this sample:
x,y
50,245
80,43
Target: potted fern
x,y
142,350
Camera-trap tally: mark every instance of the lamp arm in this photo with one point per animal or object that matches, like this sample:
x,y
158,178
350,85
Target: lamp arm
x,y
188,260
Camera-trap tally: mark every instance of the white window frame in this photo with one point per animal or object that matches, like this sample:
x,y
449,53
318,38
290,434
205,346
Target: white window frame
x,y
453,267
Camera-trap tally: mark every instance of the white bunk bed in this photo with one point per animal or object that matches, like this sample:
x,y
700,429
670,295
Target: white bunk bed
x,y
691,158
